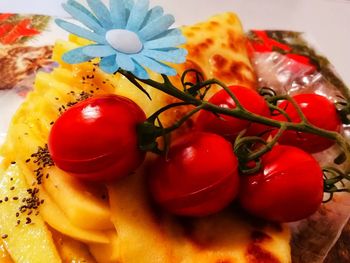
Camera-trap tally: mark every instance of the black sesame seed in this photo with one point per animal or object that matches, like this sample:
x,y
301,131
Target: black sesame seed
x,y
11,179
15,198
0,201
56,98
18,222
13,162
51,123
17,214
4,236
28,160
6,199
28,220
12,188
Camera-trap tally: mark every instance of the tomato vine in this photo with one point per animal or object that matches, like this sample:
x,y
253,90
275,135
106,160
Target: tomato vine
x,y
194,93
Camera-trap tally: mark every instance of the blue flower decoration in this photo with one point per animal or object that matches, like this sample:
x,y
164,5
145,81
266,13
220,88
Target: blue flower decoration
x,y
128,35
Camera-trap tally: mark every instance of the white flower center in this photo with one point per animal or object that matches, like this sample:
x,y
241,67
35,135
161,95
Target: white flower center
x,y
124,41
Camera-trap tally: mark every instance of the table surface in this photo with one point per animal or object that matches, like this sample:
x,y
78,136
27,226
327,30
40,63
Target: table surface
x,y
326,22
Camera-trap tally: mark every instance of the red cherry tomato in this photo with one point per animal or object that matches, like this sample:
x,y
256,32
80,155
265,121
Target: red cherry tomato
x,y
198,177
288,188
227,126
96,139
320,112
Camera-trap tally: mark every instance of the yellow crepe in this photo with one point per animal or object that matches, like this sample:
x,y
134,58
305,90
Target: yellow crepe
x,y
128,228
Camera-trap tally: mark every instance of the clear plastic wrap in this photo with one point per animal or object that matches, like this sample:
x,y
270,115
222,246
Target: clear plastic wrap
x,y
314,237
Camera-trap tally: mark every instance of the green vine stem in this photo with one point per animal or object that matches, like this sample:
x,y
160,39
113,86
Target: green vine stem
x,y
190,95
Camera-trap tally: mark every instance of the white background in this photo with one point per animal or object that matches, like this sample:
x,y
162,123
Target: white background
x,y
326,22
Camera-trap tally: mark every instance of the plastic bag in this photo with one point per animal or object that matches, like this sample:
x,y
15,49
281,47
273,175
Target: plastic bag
x,y
312,238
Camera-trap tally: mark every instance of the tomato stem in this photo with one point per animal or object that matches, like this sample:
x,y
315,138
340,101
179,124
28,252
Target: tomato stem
x,y
190,96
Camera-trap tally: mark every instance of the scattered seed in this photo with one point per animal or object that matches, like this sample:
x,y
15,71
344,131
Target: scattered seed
x,y
4,236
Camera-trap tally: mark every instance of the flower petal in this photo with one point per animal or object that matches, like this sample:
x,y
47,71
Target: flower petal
x,y
165,42
102,13
98,51
152,14
139,71
156,27
154,65
75,56
82,9
137,15
125,62
129,4
168,33
177,55
82,32
84,18
109,64
118,13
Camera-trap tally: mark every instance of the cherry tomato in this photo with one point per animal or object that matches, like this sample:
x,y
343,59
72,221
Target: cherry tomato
x,y
320,112
198,177
288,188
227,126
96,139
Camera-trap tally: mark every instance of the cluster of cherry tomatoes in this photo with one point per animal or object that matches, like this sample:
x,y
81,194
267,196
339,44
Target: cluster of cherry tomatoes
x,y
97,140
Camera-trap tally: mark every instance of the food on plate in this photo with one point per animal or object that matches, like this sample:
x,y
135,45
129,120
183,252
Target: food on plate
x,y
288,188
313,106
22,230
192,179
100,140
113,162
230,127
